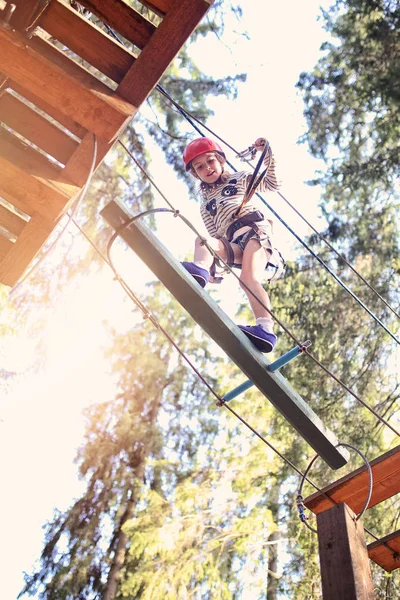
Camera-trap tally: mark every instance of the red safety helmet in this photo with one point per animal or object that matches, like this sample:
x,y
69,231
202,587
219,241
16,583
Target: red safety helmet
x,y
199,146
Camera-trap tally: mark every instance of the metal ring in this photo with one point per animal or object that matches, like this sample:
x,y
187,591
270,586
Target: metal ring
x,y
299,494
371,481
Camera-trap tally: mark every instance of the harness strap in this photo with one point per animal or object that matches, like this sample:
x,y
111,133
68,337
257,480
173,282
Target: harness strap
x,y
246,220
253,184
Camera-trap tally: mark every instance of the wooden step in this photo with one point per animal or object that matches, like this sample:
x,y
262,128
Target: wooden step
x,y
21,253
353,488
26,157
123,19
24,13
386,551
10,221
159,7
30,182
79,95
86,40
17,115
51,111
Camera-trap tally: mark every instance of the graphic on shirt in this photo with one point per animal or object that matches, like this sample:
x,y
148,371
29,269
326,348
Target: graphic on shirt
x,y
229,190
211,207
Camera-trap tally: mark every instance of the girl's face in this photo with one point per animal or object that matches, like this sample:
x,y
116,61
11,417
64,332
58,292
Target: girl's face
x,y
207,167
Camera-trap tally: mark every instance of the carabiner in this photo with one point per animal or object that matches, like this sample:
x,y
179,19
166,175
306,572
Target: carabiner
x,y
249,152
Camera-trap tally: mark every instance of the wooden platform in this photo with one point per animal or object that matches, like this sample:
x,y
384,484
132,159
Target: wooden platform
x,y
352,489
386,551
52,106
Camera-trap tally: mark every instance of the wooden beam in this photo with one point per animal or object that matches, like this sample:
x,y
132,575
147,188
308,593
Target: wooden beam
x,y
86,40
159,52
353,488
22,252
345,568
123,18
51,111
227,335
80,96
78,167
31,125
11,221
386,551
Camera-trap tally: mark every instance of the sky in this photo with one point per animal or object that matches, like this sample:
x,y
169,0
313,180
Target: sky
x,y
41,421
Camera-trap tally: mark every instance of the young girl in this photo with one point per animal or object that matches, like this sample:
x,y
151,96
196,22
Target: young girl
x,y
242,240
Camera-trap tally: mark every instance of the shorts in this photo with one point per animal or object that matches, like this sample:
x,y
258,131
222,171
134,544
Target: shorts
x,y
276,264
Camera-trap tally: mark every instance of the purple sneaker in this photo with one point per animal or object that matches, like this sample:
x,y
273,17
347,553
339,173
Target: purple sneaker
x,y
202,276
262,340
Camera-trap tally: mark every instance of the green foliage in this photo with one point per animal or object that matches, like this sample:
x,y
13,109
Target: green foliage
x,y
352,97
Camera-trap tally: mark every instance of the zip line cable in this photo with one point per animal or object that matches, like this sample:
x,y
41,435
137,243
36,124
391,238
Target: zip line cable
x,y
293,337
189,118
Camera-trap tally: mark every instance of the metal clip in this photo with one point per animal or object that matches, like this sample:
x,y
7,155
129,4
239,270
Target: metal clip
x,y
249,152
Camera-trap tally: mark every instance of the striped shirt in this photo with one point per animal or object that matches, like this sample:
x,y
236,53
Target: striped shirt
x,y
221,200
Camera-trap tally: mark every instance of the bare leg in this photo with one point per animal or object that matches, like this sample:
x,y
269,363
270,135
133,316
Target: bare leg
x,y
253,266
204,257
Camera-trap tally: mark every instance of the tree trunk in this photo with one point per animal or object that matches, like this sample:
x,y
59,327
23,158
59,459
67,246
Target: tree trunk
x,y
272,578
120,550
114,574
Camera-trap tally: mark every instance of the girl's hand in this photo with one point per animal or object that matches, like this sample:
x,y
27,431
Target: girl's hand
x,y
259,144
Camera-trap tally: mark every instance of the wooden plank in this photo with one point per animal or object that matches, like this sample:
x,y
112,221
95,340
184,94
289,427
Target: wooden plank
x,y
32,194
25,12
159,7
123,18
5,246
31,125
26,157
353,488
228,336
51,111
164,45
10,221
80,96
86,40
345,568
386,551
25,249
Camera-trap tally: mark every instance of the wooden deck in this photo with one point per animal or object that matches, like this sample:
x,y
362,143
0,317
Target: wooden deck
x,y
52,106
352,489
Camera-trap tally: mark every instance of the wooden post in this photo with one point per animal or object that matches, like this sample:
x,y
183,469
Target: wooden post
x,y
345,569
